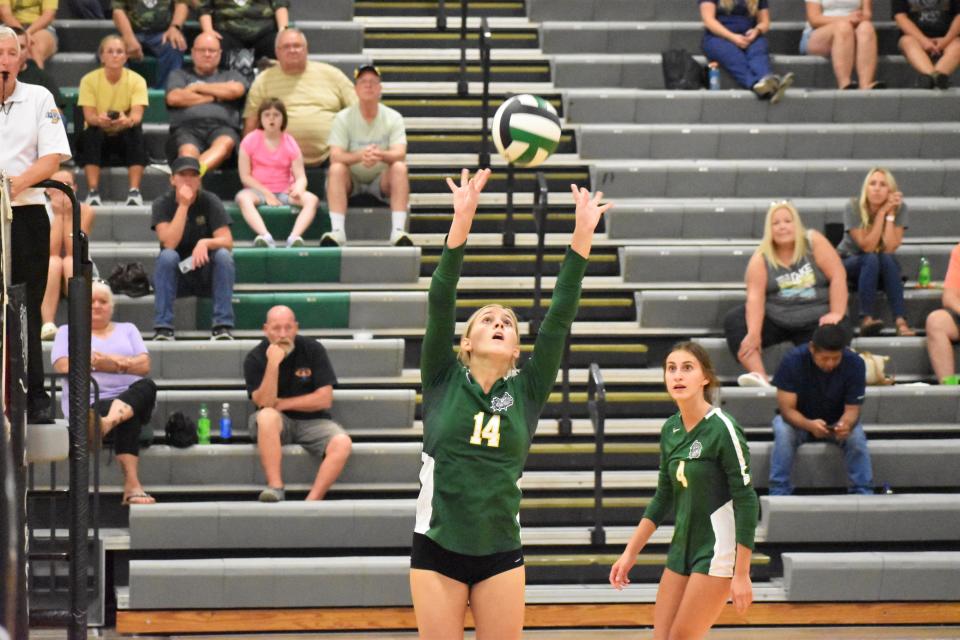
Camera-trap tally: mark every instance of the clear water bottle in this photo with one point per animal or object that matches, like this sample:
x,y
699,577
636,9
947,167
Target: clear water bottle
x,y
713,76
923,275
226,423
203,425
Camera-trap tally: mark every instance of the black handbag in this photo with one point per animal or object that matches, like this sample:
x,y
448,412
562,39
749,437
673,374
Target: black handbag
x,y
682,71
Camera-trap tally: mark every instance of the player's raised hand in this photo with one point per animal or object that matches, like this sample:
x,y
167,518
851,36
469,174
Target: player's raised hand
x,y
588,214
466,197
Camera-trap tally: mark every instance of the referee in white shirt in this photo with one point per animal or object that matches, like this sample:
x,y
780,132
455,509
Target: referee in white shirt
x,y
33,143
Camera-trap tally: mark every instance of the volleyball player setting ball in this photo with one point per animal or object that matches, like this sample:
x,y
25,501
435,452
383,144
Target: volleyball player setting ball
x,y
705,480
479,415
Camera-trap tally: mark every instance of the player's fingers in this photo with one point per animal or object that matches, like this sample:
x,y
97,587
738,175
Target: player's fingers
x,y
576,193
464,176
605,207
451,184
597,197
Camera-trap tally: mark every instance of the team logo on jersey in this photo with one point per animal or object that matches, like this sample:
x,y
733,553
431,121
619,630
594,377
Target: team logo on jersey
x,y
695,450
201,220
54,116
304,373
241,3
501,403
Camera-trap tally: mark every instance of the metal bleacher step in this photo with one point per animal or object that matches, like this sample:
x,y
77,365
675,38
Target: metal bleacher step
x,y
430,7
410,37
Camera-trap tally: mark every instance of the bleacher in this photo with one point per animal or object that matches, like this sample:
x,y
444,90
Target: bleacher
x,y
692,174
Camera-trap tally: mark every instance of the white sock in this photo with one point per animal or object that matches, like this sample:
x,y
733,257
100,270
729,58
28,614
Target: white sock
x,y
268,237
399,219
337,221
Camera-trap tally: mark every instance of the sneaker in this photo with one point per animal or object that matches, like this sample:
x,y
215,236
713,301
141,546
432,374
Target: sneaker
x,y
264,241
272,495
784,83
400,238
221,333
295,242
48,331
134,199
162,334
765,85
93,198
333,239
753,379
941,80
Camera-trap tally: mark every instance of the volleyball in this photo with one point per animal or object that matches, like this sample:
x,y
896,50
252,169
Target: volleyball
x,y
526,130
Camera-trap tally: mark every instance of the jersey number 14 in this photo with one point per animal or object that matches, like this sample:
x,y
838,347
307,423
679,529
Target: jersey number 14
x,y
489,432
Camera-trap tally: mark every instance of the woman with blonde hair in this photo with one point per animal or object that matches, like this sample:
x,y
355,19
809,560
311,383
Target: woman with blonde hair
x,y
795,282
734,38
874,224
479,417
705,481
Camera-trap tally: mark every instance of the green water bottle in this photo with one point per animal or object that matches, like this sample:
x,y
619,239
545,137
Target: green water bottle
x,y
203,425
923,276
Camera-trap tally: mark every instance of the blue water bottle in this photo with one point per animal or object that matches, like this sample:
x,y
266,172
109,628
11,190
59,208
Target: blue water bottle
x,y
226,424
713,76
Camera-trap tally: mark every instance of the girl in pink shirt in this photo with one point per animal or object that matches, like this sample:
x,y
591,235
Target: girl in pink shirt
x,y
271,169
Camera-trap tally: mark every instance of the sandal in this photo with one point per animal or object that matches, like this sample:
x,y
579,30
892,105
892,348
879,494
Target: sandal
x,y
137,497
870,327
904,330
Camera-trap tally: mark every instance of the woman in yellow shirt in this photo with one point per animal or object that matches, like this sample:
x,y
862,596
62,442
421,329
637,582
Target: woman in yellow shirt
x,y
36,18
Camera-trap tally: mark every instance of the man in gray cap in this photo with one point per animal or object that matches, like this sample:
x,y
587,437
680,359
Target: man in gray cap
x,y
195,245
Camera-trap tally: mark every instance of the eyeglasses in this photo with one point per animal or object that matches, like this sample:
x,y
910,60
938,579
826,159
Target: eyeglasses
x,y
292,46
207,52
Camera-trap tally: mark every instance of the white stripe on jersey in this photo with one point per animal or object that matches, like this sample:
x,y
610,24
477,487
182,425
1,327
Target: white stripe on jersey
x,y
736,445
724,541
425,499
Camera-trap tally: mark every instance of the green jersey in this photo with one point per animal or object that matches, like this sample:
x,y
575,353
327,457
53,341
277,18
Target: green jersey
x,y
705,478
474,443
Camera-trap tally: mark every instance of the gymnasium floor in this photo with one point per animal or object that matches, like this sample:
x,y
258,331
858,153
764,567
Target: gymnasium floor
x,y
770,633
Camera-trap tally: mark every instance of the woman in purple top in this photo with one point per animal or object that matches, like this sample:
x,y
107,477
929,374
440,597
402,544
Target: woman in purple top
x,y
119,361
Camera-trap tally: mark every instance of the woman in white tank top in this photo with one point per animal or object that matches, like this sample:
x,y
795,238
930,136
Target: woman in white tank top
x,y
843,31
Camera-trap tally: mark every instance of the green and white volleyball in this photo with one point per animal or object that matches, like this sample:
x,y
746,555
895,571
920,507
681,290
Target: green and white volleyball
x,y
526,130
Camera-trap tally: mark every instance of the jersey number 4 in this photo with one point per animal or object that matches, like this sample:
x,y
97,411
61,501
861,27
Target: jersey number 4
x,y
681,478
489,432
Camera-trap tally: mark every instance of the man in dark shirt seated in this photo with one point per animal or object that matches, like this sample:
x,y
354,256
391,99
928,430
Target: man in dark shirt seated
x,y
820,387
32,74
204,107
195,244
290,380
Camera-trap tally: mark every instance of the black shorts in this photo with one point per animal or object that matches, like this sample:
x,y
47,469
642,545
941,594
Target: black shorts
x,y
470,570
199,133
955,316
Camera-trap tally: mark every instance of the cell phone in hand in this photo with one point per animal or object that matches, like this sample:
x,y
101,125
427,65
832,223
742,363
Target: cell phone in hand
x,y
186,265
113,115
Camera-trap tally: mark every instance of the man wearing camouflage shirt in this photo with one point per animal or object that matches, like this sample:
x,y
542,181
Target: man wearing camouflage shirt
x,y
245,24
154,26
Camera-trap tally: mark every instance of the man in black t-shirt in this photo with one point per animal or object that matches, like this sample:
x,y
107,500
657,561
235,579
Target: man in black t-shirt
x,y
32,74
195,244
290,380
929,40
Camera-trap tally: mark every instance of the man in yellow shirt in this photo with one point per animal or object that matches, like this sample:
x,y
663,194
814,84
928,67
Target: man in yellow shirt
x,y
312,92
36,18
113,99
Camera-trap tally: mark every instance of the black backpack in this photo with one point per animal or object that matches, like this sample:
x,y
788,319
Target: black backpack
x,y
181,431
682,71
130,279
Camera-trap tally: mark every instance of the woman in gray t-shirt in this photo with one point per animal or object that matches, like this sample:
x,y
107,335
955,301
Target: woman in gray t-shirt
x,y
874,224
795,283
